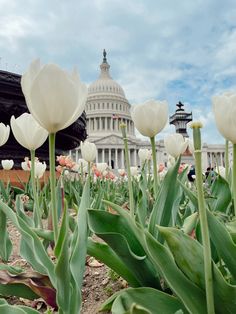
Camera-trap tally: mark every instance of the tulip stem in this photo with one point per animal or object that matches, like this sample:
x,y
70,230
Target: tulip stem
x,y
130,186
36,209
203,222
154,158
227,160
54,214
234,177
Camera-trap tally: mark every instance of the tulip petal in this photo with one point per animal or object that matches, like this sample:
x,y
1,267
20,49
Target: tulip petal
x,y
150,117
54,98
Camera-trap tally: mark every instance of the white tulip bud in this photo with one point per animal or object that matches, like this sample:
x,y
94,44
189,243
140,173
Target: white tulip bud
x,y
150,117
54,97
102,166
175,144
122,172
88,151
28,132
4,131
7,164
224,109
221,171
144,154
40,168
134,171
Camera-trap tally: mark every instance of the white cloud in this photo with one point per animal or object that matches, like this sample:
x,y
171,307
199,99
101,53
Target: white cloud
x,y
175,50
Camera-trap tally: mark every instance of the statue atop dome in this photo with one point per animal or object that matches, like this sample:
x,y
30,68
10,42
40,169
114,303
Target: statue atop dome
x,y
104,56
105,67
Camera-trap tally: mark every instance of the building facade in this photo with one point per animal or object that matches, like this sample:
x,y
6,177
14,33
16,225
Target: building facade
x,y
107,107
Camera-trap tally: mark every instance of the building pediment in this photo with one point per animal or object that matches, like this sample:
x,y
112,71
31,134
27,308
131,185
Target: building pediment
x,y
112,140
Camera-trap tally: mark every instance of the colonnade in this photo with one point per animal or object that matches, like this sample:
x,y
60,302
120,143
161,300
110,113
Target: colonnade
x,y
105,124
114,157
216,158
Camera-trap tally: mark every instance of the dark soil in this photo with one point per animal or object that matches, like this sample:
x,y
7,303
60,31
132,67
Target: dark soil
x,y
99,281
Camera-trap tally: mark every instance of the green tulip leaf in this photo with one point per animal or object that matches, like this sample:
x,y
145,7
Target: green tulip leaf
x,y
190,194
62,270
31,247
5,243
223,242
231,227
221,195
115,231
188,255
190,223
105,254
162,209
146,300
5,308
79,250
190,294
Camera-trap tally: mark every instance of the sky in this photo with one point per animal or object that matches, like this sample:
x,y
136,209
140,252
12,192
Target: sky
x,y
170,50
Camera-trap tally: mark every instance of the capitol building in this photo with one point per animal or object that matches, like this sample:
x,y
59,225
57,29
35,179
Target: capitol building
x,y
107,107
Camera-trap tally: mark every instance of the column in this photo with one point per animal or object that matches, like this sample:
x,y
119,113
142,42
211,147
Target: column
x,y
105,123
211,160
135,157
221,159
87,125
94,124
129,158
122,159
103,155
116,158
76,155
109,157
100,123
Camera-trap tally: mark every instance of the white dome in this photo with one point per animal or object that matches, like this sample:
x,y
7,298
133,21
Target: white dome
x,y
105,84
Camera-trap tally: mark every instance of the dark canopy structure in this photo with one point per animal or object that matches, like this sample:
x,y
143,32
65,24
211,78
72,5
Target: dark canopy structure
x,y
12,102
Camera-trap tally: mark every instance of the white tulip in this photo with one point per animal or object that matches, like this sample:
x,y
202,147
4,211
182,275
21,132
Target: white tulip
x,y
170,162
150,117
88,151
134,171
83,164
28,132
221,171
175,144
66,173
76,167
26,165
162,174
102,166
40,168
144,154
224,109
191,147
4,131
7,164
122,172
54,97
